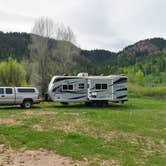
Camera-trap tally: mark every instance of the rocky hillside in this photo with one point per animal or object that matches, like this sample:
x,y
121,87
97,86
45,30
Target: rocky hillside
x,y
129,55
148,46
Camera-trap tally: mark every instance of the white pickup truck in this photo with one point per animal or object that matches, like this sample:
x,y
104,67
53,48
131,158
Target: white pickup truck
x,y
24,96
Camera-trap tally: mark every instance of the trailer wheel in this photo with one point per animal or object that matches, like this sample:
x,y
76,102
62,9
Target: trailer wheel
x,y
27,104
64,103
88,103
102,104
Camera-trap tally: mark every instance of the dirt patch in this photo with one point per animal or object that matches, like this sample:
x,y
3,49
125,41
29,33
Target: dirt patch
x,y
9,157
8,121
23,157
100,162
71,113
109,163
37,127
32,113
153,147
68,126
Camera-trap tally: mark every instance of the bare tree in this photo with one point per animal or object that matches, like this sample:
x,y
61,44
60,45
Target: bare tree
x,y
45,29
51,57
65,34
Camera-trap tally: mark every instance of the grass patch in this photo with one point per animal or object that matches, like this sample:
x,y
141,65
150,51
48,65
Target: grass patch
x,y
138,91
131,134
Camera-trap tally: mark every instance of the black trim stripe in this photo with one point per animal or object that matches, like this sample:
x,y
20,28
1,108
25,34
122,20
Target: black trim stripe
x,y
120,80
103,90
64,78
77,97
124,89
72,92
120,97
54,89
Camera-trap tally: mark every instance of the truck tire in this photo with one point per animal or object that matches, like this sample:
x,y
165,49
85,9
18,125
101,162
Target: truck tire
x,y
27,104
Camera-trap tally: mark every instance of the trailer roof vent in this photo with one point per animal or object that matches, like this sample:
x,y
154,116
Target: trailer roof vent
x,y
82,75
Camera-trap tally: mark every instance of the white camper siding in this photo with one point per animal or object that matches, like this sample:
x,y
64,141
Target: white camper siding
x,y
88,88
120,88
67,89
100,89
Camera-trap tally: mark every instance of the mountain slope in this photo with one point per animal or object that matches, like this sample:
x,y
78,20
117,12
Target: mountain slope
x,y
141,50
17,45
98,57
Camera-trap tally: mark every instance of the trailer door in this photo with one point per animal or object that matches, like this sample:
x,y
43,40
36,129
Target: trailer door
x,y
100,89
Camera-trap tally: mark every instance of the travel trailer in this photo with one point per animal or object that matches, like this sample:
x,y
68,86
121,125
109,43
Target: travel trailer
x,y
97,90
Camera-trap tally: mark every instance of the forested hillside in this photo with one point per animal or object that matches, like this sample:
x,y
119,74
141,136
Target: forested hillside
x,y
14,44
144,62
40,58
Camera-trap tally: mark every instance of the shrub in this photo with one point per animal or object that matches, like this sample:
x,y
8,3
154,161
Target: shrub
x,y
138,91
12,74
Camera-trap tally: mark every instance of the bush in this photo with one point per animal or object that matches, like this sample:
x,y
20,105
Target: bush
x,y
12,74
138,91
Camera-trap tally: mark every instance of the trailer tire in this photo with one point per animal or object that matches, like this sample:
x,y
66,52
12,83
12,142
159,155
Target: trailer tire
x,y
27,104
88,104
64,103
102,104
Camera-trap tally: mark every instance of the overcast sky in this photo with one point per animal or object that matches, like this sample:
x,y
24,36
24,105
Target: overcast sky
x,y
102,24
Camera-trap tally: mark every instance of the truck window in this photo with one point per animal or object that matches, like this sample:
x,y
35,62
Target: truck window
x,y
1,91
23,90
9,91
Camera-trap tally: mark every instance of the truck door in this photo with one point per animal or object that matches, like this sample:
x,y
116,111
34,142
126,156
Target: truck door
x,y
9,96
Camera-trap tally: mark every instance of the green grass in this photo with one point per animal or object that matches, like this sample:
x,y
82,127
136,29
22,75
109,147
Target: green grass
x,y
132,134
149,91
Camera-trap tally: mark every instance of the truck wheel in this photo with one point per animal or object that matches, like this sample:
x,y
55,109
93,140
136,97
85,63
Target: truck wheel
x,y
27,104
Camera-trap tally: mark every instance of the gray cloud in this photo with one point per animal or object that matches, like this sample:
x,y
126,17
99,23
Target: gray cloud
x,y
107,24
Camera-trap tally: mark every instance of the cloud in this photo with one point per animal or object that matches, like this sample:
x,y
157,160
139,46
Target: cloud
x,y
14,22
107,24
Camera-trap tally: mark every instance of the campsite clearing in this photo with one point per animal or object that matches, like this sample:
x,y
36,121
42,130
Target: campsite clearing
x,y
130,134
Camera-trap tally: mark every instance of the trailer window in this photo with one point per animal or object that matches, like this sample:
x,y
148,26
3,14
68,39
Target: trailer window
x,y
98,86
81,86
67,87
104,86
9,91
101,86
1,91
64,87
70,87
